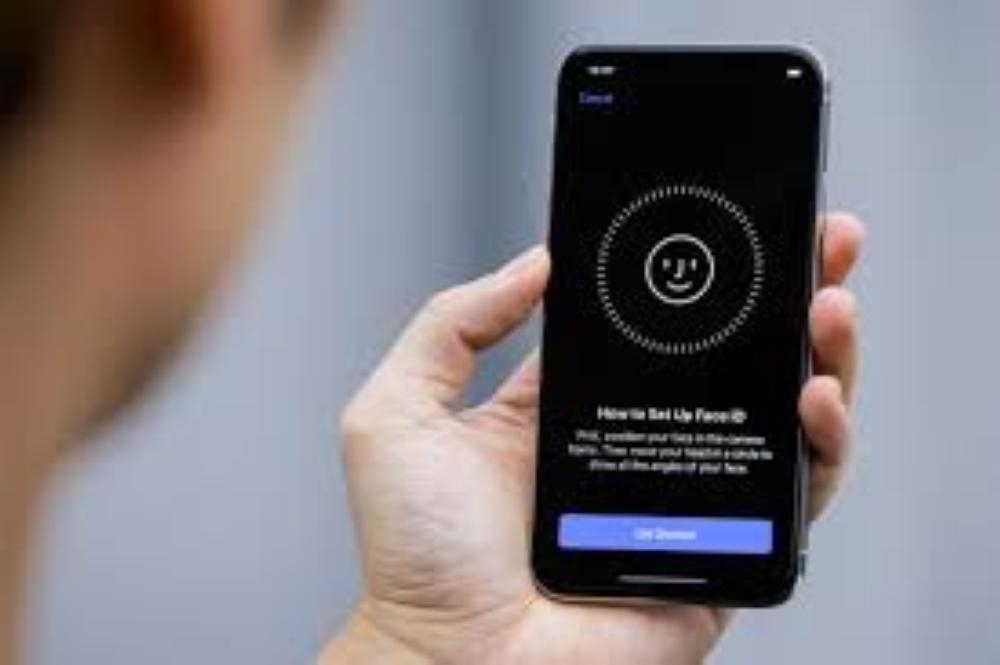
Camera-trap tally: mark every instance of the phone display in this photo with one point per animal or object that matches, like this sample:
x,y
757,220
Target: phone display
x,y
671,463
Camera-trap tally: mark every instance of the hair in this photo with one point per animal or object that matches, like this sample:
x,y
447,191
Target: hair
x,y
28,39
26,29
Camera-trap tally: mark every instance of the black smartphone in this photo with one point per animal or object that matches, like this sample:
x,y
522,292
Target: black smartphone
x,y
671,461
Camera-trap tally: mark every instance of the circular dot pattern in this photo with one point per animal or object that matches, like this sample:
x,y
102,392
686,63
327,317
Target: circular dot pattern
x,y
692,347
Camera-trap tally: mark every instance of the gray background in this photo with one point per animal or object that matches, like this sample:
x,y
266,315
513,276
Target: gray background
x,y
210,527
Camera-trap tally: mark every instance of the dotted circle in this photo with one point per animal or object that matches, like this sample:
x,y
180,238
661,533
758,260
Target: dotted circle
x,y
717,338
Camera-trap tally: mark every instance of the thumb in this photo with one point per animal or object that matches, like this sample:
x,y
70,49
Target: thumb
x,y
435,357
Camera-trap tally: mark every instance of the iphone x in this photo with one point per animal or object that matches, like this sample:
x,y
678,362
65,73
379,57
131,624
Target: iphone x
x,y
671,461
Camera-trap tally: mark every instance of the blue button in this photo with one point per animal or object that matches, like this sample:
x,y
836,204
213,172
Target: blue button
x,y
665,534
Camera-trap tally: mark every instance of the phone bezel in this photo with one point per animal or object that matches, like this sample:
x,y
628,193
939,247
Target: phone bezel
x,y
780,589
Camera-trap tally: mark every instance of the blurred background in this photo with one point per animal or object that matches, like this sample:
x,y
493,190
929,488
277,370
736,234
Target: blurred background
x,y
210,526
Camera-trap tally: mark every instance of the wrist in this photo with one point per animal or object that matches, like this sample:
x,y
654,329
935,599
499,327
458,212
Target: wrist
x,y
363,642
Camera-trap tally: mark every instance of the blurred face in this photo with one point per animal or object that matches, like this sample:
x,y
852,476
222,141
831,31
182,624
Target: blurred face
x,y
135,180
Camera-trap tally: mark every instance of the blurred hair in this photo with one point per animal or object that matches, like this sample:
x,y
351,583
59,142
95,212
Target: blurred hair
x,y
28,39
27,30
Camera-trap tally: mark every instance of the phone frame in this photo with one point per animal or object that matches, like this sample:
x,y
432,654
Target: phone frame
x,y
800,523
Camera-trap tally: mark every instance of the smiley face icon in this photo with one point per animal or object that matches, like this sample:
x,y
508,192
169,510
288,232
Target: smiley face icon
x,y
680,270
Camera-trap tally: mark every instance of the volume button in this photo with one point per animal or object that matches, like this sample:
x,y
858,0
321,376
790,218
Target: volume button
x,y
825,143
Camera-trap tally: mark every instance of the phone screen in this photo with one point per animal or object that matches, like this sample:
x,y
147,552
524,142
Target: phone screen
x,y
683,240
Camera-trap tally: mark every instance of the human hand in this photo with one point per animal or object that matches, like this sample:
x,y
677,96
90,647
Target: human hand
x,y
442,495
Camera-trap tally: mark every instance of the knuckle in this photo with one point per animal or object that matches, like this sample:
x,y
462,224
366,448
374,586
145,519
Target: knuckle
x,y
443,303
363,422
354,421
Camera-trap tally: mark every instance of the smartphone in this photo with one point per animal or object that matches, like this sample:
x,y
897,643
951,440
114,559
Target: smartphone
x,y
671,460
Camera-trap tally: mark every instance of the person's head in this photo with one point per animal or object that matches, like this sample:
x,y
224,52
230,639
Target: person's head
x,y
134,135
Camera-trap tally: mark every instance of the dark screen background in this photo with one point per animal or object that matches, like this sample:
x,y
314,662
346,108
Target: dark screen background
x,y
732,123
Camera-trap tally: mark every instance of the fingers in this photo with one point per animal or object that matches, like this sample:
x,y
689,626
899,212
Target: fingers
x,y
434,358
833,323
843,236
826,422
518,395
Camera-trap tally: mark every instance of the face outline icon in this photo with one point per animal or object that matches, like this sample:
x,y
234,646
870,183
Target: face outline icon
x,y
680,270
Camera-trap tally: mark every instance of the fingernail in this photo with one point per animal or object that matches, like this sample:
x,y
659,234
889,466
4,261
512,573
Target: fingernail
x,y
849,302
832,383
841,297
527,260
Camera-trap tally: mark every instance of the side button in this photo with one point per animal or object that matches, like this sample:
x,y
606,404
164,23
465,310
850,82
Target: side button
x,y
825,147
